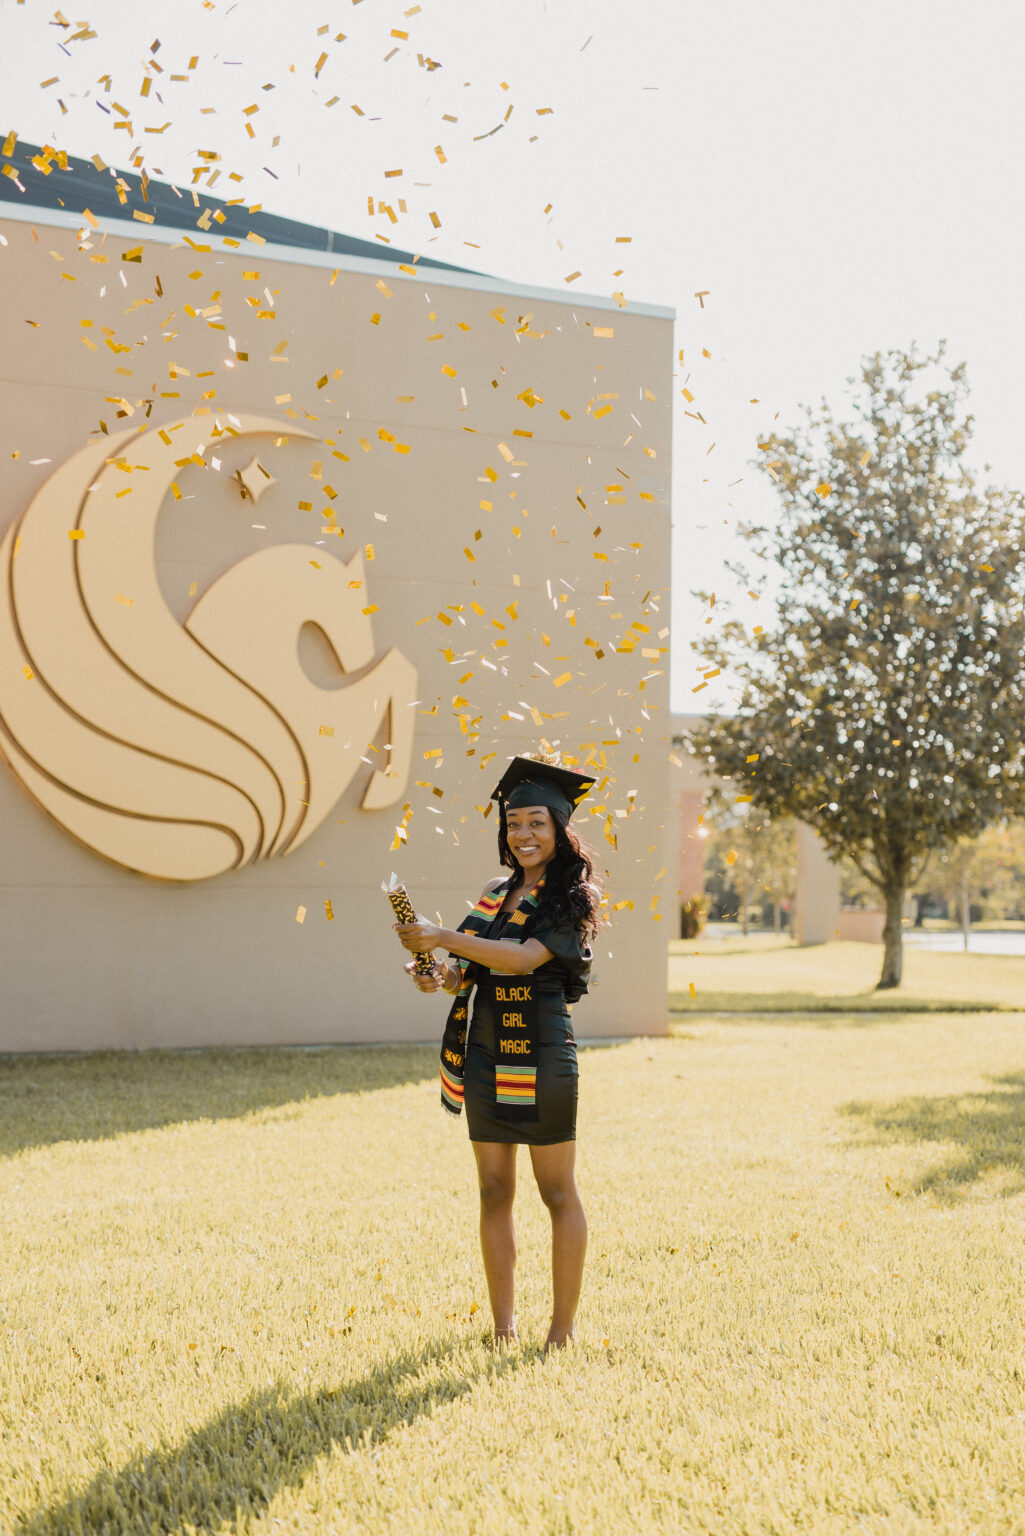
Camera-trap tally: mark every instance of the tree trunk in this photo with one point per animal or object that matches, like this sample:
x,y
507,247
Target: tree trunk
x,y
893,944
744,893
777,919
966,914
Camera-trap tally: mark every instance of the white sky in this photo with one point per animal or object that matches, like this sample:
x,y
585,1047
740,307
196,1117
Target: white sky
x,y
840,178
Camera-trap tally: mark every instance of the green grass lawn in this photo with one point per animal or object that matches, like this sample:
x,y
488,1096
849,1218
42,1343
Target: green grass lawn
x,y
764,974
241,1291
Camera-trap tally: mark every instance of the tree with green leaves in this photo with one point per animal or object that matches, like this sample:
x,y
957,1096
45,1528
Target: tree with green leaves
x,y
988,869
886,706
756,853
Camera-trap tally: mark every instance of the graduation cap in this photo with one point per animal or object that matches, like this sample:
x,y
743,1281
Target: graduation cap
x,y
527,781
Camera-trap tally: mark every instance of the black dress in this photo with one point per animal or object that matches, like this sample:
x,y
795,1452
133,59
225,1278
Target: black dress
x,y
557,1050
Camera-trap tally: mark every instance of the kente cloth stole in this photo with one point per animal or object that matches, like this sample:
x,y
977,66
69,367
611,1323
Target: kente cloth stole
x,y
516,1067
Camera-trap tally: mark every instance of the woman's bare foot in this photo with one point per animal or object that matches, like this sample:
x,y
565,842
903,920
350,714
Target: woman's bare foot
x,y
504,1338
558,1338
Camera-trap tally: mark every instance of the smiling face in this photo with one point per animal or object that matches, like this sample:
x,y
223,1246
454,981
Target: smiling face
x,y
531,835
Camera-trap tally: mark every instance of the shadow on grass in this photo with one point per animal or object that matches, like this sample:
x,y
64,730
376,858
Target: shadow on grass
x,y
46,1099
984,1127
227,1472
803,1002
681,1024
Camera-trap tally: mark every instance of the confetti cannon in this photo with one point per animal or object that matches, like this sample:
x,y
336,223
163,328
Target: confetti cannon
x,y
404,913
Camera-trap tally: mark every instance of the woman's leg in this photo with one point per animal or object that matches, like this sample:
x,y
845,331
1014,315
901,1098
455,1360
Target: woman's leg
x,y
554,1171
496,1175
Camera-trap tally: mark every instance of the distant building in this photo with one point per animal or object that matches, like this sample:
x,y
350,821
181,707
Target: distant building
x,y
817,916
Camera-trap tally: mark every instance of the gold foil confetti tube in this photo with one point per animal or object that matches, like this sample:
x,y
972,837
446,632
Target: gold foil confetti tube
x,y
404,913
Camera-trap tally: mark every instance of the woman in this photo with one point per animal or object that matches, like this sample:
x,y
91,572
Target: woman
x,y
524,947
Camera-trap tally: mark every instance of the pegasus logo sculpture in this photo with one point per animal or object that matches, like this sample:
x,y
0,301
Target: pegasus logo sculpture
x,y
182,752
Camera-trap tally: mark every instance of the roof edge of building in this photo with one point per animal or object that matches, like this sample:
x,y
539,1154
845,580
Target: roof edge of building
x,y
447,276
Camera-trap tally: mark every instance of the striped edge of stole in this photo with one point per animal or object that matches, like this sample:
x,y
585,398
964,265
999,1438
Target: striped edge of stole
x,y
515,1085
452,1089
487,906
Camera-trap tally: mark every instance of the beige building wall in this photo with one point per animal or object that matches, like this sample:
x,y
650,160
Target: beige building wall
x,y
817,915
458,494
690,783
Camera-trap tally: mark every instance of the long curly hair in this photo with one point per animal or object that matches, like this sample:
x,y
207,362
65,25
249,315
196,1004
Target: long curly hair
x,y
571,890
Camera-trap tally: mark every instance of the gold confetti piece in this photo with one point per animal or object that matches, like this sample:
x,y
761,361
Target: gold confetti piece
x,y
434,752
693,993
315,566
603,330
368,550
29,674
328,912
865,457
557,682
372,609
744,799
572,277
823,490
300,917
702,296
434,220
449,371
383,287
76,533
126,602
282,399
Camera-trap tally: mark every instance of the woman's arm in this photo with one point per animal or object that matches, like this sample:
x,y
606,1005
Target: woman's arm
x,y
516,959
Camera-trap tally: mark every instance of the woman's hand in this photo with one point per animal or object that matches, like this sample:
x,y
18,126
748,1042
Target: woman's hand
x,y
428,981
419,937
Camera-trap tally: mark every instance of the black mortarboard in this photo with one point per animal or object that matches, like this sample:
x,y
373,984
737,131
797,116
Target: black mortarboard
x,y
529,782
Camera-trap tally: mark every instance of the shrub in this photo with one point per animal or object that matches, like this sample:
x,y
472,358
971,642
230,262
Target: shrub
x,y
692,918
